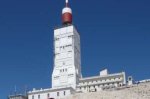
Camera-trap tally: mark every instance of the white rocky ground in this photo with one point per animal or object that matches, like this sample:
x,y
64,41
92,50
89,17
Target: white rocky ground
x,y
140,91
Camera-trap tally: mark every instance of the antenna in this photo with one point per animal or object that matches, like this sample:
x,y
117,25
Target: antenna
x,y
25,87
67,14
67,3
15,90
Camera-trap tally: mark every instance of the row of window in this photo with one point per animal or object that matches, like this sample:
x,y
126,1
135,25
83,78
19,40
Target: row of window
x,y
70,36
56,77
39,97
119,84
64,93
104,80
59,53
48,95
63,47
63,70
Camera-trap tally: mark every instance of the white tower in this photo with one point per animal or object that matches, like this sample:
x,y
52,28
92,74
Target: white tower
x,y
67,62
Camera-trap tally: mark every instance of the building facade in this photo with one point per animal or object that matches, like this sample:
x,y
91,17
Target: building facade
x,y
67,64
50,93
101,82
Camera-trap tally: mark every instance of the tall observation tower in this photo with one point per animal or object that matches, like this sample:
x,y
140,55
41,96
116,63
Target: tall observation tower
x,y
66,76
67,60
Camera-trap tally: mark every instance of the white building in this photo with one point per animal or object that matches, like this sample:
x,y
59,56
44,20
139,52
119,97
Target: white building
x,y
67,64
66,77
101,82
50,93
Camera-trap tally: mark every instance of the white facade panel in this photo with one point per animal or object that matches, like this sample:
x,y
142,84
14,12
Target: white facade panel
x,y
67,57
50,93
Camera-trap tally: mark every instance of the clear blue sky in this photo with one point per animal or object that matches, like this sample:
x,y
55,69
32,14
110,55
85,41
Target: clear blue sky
x,y
115,34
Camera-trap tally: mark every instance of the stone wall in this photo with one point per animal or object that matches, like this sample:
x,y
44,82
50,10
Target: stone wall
x,y
140,91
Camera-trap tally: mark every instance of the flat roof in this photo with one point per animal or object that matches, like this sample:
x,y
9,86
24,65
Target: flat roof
x,y
49,90
105,76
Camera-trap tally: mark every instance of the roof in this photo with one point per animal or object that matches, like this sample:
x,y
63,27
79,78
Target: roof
x,y
49,90
101,77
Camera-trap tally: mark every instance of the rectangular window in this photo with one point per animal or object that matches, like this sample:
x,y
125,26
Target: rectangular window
x,y
57,93
33,97
48,95
64,93
38,96
66,69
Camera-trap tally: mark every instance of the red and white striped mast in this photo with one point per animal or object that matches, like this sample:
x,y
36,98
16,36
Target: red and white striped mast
x,y
67,14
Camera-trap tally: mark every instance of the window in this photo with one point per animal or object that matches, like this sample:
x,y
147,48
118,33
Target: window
x,y
38,96
70,36
120,85
33,97
57,93
66,69
48,95
64,93
56,39
56,77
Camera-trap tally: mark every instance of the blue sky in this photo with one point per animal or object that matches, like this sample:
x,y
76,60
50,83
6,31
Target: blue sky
x,y
115,34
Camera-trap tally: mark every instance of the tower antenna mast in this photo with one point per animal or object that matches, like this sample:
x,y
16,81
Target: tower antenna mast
x,y
67,3
67,14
